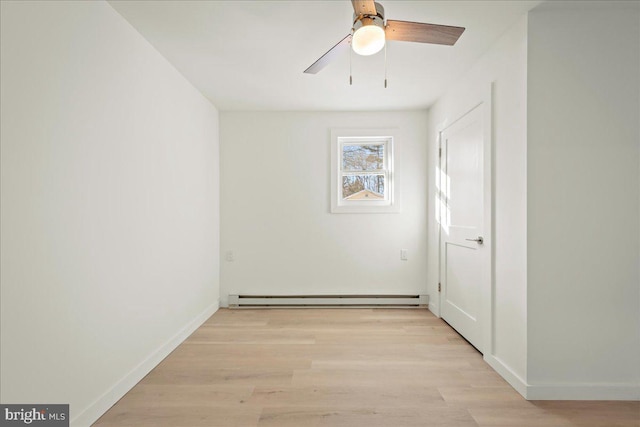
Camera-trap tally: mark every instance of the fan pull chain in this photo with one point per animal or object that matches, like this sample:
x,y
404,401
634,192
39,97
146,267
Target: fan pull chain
x,y
350,73
385,65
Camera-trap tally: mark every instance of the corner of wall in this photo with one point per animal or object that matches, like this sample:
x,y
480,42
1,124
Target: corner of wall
x,y
96,409
508,374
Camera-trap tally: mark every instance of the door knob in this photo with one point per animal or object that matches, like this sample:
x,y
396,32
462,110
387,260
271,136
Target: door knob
x,y
479,240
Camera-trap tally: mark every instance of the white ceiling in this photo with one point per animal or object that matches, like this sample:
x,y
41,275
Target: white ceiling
x,y
250,55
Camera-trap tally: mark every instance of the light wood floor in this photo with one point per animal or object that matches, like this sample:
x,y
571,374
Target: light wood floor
x,y
339,368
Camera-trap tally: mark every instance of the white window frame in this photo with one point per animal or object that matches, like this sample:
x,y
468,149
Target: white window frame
x,y
340,137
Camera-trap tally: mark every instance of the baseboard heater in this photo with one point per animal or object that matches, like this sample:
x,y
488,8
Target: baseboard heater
x,y
257,301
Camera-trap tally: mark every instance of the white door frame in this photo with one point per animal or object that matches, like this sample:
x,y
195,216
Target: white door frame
x,y
488,262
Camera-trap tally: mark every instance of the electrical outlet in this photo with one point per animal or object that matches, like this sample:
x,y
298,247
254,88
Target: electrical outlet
x,y
228,256
404,254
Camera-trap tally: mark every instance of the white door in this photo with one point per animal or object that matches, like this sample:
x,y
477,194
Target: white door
x,y
461,219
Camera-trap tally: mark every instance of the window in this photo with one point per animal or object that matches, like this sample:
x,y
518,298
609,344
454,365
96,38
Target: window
x,y
362,169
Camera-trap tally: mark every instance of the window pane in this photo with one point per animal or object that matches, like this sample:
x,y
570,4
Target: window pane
x,y
357,157
363,187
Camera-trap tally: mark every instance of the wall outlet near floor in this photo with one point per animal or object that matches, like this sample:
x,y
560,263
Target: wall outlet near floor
x,y
404,254
228,256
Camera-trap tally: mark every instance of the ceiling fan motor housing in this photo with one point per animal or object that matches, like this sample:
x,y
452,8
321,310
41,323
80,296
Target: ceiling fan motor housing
x,y
361,20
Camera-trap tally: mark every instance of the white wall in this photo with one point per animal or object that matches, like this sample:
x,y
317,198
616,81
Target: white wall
x,y
583,205
109,206
275,203
505,64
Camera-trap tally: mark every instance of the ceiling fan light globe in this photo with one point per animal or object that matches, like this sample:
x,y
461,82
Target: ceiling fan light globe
x,y
368,40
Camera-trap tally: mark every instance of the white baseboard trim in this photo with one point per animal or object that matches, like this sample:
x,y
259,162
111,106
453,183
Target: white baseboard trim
x,y
95,410
509,376
563,391
583,392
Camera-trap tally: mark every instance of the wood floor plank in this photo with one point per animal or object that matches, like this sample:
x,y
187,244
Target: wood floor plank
x,y
347,397
199,416
214,375
393,338
367,366
469,396
366,417
339,368
594,413
162,395
267,362
490,416
392,377
211,335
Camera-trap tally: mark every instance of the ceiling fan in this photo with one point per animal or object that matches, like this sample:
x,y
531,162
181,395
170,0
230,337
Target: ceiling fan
x,y
370,32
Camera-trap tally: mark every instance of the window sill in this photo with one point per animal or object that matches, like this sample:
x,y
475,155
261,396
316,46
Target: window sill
x,y
365,209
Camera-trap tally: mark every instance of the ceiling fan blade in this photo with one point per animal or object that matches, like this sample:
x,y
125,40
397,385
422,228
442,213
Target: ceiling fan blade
x,y
364,7
325,59
422,33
